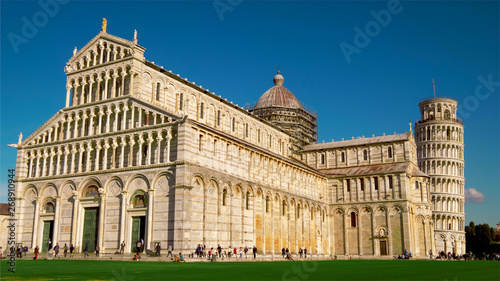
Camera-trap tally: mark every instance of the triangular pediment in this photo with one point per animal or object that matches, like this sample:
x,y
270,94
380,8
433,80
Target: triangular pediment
x,y
109,46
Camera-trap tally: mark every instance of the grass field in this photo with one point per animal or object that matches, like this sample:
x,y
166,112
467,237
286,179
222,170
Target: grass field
x,y
299,270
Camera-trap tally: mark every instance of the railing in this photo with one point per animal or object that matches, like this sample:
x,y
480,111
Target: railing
x,y
457,120
437,97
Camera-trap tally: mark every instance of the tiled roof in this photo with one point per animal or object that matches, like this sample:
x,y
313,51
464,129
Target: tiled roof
x,y
372,169
4,209
357,142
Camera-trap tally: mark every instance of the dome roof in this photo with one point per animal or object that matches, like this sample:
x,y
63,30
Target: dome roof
x,y
278,96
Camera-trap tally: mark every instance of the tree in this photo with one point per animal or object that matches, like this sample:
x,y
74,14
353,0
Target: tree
x,y
478,238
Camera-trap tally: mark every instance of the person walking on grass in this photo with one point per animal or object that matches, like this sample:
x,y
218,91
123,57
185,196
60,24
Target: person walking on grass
x,y
158,250
122,248
86,251
169,250
36,252
56,250
139,244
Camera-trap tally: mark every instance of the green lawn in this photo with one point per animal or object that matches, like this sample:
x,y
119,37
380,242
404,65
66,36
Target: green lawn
x,y
298,270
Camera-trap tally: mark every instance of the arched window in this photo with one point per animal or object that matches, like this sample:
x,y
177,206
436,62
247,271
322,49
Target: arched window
x,y
49,207
375,182
247,203
439,108
353,219
267,204
138,200
416,185
234,124
389,152
181,101
447,115
390,181
298,211
365,154
224,194
258,135
246,130
342,157
362,184
270,140
283,208
158,91
322,159
348,185
218,117
201,110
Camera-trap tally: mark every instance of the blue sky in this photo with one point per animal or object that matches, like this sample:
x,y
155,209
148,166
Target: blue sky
x,y
233,48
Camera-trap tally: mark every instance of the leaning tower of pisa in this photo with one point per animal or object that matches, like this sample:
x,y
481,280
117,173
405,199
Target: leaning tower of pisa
x,y
440,149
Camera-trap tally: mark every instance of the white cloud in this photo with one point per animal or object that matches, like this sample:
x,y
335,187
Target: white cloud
x,y
472,195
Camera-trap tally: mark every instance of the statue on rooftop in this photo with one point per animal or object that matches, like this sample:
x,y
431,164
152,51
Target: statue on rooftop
x,y
104,24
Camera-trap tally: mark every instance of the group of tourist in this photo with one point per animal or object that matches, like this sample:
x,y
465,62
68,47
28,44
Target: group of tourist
x,y
201,252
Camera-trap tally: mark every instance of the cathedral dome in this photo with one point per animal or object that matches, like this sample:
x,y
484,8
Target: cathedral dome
x,y
278,96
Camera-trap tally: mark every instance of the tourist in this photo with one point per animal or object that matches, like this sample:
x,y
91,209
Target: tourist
x,y
138,248
289,256
210,254
169,250
235,252
86,250
142,245
97,248
1,253
65,249
181,257
25,250
158,250
56,250
430,253
246,252
219,249
300,252
71,250
283,252
305,253
254,251
122,248
36,252
50,244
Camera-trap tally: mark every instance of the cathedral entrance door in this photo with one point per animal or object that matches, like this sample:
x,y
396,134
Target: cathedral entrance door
x,y
48,227
383,248
138,231
90,225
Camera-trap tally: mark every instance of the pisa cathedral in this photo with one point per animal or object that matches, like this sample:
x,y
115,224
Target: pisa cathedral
x,y
139,152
